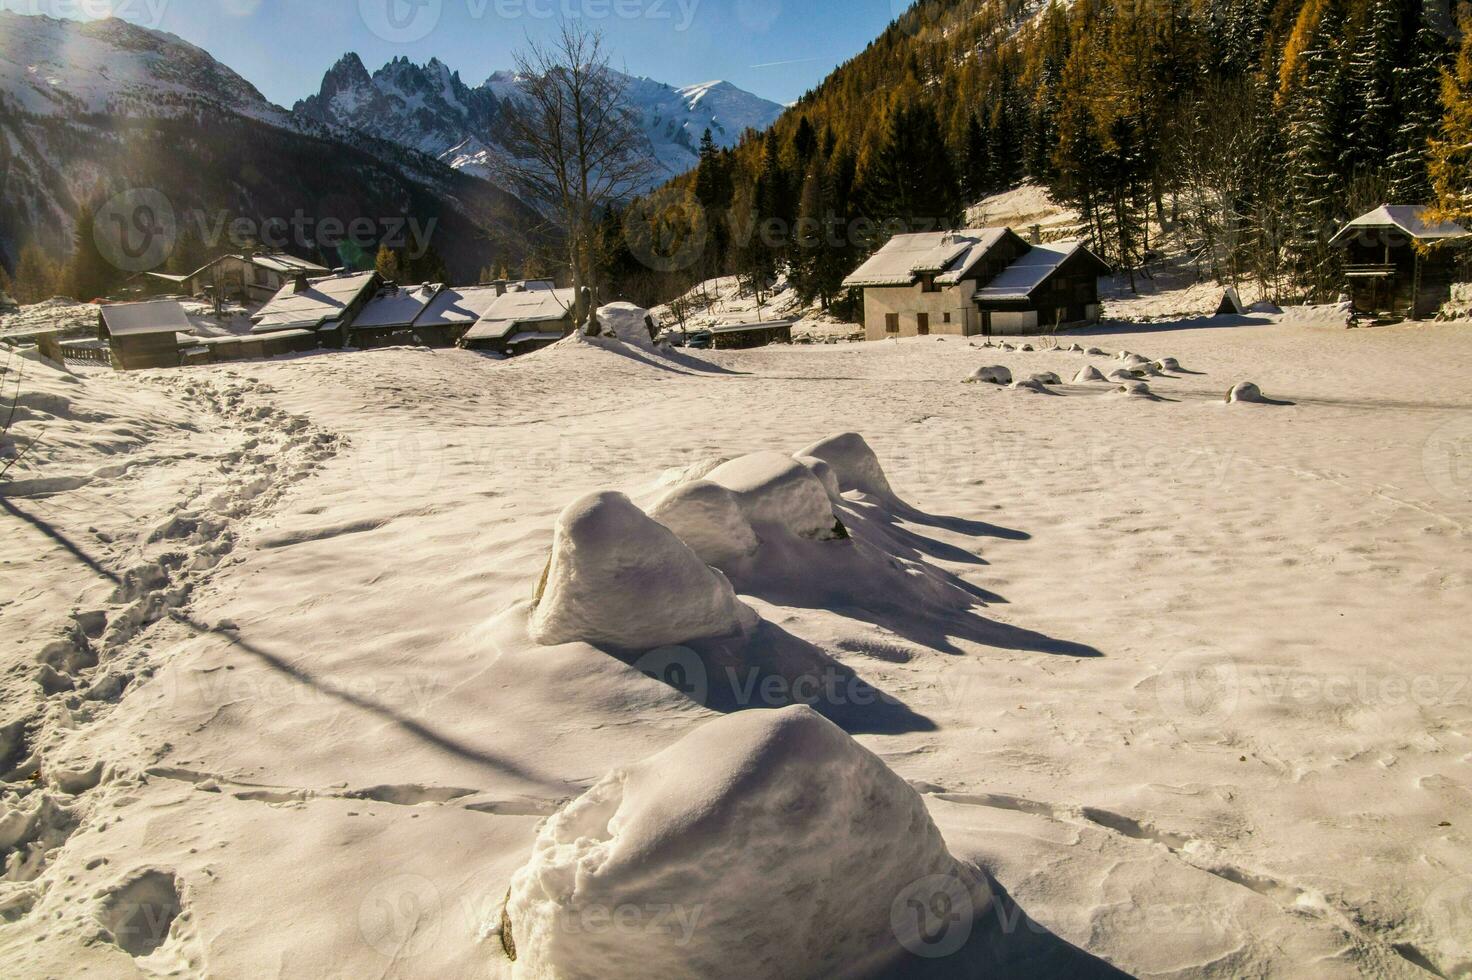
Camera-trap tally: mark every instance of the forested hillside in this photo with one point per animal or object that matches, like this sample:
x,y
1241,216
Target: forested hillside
x,y
1250,128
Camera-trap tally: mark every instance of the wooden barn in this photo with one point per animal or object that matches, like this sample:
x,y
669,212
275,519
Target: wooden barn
x,y
327,305
143,335
523,320
250,278
1397,263
743,336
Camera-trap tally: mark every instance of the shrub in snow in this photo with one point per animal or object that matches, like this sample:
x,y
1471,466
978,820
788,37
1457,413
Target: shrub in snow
x,y
854,464
627,322
776,845
778,491
994,374
617,577
708,518
1087,374
1245,391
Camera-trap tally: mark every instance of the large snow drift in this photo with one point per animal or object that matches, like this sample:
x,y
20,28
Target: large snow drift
x,y
777,490
854,464
708,518
617,577
774,844
627,322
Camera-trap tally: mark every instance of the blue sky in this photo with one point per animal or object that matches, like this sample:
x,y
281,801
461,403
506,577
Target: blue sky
x,y
775,48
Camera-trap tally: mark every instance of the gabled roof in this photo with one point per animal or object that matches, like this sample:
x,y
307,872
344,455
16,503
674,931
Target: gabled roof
x,y
455,305
395,306
1410,219
137,319
279,262
1032,269
948,255
516,308
323,299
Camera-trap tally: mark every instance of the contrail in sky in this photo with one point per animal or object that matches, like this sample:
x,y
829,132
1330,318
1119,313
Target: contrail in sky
x,y
778,64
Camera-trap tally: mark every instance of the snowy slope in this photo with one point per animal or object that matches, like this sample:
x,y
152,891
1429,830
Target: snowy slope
x,y
54,67
430,109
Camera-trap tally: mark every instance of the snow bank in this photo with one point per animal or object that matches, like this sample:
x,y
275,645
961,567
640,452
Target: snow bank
x,y
854,464
708,518
627,322
617,577
775,843
994,374
1328,315
1087,374
825,475
776,490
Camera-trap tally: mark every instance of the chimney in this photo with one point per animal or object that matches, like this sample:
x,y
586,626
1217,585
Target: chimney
x,y
500,285
299,283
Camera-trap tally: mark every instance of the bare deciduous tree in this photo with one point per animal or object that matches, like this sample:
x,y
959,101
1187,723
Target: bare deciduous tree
x,y
574,146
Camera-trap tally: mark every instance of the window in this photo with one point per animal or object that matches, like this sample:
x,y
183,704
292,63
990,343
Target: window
x,y
891,323
922,323
945,318
927,285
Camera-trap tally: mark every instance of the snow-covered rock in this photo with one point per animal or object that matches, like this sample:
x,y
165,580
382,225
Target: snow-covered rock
x,y
1245,391
1123,374
993,374
1135,389
777,491
1047,378
627,322
618,577
1088,374
854,464
1167,364
725,830
708,518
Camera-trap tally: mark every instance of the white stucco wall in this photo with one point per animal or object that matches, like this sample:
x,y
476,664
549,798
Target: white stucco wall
x,y
908,301
1006,323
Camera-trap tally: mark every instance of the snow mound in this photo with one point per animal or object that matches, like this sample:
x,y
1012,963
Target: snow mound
x,y
1047,378
994,374
1005,346
776,490
1135,389
1028,384
1087,374
854,464
825,475
708,518
1327,315
617,577
1245,391
697,470
1265,306
719,827
1167,364
1133,360
1095,352
1075,348
1121,374
1026,347
627,322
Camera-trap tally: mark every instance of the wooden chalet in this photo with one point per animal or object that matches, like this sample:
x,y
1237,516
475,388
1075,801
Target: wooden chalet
x,y
143,335
1399,263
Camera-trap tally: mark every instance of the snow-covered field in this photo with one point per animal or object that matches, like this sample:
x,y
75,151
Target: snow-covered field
x,y
285,654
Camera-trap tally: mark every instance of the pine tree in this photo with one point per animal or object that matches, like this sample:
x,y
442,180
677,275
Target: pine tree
x,y
1312,101
37,278
1371,90
1451,150
387,264
911,179
1417,83
89,274
978,180
805,141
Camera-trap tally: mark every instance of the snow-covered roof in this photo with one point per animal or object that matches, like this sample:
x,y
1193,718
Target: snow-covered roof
x,y
1409,218
395,306
323,299
456,305
135,319
903,258
529,306
1018,280
279,262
